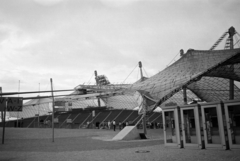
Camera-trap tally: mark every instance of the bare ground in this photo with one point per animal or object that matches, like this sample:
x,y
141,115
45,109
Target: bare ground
x,y
27,144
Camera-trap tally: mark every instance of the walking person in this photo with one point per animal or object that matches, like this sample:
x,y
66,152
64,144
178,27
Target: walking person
x,y
109,124
114,125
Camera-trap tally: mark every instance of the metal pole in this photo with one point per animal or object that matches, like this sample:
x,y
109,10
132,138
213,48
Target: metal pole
x,y
95,72
99,102
53,109
185,95
18,96
38,103
1,110
38,113
231,32
144,124
97,83
144,115
4,117
140,67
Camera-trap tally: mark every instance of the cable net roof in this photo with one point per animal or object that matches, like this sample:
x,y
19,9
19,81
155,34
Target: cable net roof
x,y
205,73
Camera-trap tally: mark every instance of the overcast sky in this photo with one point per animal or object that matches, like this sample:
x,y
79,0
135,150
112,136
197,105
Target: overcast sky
x,y
67,40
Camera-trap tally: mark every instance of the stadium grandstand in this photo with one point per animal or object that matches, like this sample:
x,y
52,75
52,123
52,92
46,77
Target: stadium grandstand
x,y
81,109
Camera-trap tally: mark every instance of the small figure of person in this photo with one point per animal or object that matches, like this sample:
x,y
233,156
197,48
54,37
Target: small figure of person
x,y
88,124
22,122
97,124
123,124
114,125
109,124
49,123
120,125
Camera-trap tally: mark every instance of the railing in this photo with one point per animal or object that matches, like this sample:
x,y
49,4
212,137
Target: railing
x,y
64,121
84,121
106,117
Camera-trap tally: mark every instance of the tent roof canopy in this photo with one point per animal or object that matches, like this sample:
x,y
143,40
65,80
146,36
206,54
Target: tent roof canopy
x,y
205,73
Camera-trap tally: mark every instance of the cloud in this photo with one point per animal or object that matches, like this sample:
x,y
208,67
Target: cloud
x,y
118,3
68,40
48,2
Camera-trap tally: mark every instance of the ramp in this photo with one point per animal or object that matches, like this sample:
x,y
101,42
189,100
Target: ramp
x,y
128,133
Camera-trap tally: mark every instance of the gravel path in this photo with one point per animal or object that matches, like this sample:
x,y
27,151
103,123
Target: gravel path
x,y
89,145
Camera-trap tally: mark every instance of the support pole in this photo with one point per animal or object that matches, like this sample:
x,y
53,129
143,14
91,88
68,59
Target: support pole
x,y
140,67
99,102
18,96
231,90
96,78
4,122
185,95
144,124
95,72
231,32
1,110
53,110
144,115
3,116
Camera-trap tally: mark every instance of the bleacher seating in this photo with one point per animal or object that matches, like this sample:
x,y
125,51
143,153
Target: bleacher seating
x,y
81,117
132,117
28,122
124,114
113,115
102,117
62,118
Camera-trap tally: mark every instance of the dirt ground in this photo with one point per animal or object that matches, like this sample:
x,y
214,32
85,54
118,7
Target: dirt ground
x,y
33,144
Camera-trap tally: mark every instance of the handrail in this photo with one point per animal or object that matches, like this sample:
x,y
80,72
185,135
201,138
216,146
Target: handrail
x,y
46,118
128,116
151,115
106,117
156,118
84,120
76,117
119,114
31,122
95,117
136,118
65,120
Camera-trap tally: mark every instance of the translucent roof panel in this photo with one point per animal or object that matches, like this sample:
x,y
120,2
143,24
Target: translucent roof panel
x,y
213,89
32,110
192,67
177,98
121,102
86,103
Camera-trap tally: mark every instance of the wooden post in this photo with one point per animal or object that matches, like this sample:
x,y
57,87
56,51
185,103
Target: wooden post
x,y
53,109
